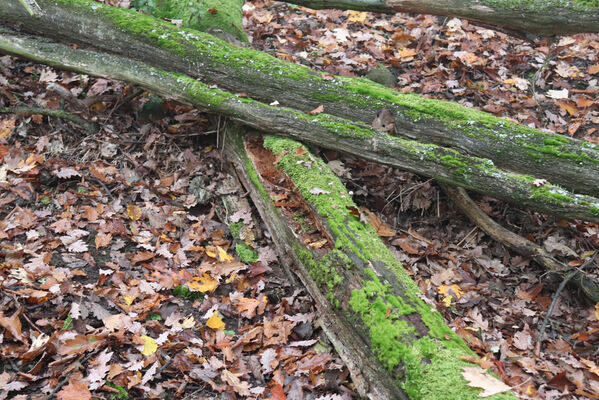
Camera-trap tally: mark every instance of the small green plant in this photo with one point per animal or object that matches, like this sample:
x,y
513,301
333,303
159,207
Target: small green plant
x,y
246,253
122,393
154,317
185,293
68,323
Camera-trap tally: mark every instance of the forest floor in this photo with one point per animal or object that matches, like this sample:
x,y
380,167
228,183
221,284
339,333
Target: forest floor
x,y
120,275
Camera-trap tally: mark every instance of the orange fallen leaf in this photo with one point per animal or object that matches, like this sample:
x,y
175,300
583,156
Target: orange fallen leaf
x,y
317,110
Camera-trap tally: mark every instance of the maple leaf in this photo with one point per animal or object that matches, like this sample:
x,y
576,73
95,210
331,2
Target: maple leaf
x,y
215,322
247,307
479,378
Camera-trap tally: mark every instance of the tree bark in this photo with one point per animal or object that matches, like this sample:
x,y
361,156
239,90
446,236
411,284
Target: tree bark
x,y
545,18
369,303
444,164
563,161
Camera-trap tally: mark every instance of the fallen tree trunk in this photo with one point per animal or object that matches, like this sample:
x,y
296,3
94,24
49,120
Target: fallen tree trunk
x,y
545,18
563,161
443,164
372,307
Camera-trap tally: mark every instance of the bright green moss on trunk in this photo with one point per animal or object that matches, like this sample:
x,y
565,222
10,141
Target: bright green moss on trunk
x,y
426,366
201,15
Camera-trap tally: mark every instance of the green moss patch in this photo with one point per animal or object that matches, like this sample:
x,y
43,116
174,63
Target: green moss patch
x,y
423,356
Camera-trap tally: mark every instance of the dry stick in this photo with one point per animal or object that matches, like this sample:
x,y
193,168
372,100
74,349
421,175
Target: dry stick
x,y
514,241
554,302
89,127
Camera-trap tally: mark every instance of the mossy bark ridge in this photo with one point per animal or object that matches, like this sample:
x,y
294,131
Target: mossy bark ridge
x,y
567,162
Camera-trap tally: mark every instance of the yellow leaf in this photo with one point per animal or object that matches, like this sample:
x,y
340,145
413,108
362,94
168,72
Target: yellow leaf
x,y
204,283
150,345
450,290
447,301
134,212
215,322
210,253
222,255
597,310
129,299
357,16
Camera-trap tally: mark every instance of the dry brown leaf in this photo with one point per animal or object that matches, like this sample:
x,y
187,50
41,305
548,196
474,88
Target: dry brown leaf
x,y
480,378
381,228
12,324
75,390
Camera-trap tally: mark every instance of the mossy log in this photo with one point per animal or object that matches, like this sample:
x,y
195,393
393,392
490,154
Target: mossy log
x,y
563,161
539,17
222,18
372,306
444,164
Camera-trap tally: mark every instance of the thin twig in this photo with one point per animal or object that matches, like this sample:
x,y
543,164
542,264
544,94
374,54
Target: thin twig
x,y
90,127
554,302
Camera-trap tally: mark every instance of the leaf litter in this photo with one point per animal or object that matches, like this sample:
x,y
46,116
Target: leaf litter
x,y
119,277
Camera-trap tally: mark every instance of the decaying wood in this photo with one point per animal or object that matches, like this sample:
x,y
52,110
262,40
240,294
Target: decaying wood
x,y
365,296
444,164
517,243
563,161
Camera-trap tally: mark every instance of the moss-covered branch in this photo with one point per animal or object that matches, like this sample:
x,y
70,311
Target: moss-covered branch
x,y
221,18
540,17
445,164
357,281
564,161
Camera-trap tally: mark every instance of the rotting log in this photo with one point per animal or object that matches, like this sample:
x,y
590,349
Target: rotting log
x,y
585,284
545,18
370,303
567,162
444,164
